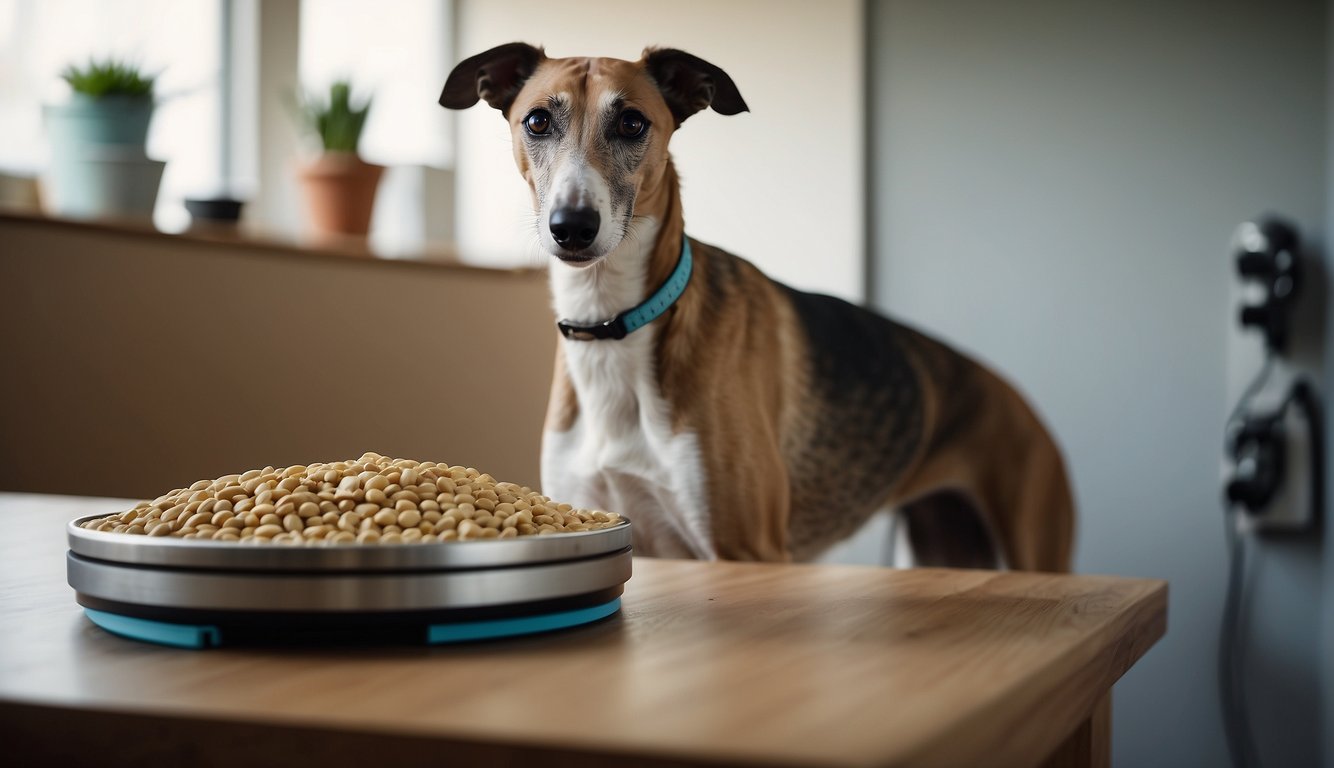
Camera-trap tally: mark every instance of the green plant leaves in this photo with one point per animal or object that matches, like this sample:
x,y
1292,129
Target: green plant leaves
x,y
109,77
338,122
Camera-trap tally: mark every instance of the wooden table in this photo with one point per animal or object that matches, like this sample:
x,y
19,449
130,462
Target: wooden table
x,y
708,664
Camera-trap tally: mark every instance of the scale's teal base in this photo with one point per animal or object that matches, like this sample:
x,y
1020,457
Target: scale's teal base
x,y
210,636
160,632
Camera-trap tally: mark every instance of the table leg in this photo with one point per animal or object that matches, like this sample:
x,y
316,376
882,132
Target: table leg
x,y
1090,744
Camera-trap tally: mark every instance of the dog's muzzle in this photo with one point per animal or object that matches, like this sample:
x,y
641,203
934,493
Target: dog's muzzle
x,y
574,229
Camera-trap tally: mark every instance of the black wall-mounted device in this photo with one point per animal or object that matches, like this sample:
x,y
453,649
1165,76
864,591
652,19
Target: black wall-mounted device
x,y
1259,446
1268,255
1276,479
1258,450
1273,450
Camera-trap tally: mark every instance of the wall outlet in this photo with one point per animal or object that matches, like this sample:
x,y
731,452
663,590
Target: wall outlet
x,y
1292,509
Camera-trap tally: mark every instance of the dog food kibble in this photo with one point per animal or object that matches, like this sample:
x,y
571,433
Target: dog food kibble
x,y
370,500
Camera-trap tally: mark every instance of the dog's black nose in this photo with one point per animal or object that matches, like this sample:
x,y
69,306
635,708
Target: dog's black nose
x,y
575,228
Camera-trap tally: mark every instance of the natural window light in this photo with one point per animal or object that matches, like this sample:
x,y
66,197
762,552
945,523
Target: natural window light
x,y
401,58
179,39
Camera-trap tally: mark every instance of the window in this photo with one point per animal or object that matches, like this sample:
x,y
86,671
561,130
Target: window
x,y
179,39
399,57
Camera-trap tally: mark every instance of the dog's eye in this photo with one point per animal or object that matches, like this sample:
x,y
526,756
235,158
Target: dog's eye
x,y
632,124
538,122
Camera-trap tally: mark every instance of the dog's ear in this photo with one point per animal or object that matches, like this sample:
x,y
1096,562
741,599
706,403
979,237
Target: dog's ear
x,y
495,76
690,84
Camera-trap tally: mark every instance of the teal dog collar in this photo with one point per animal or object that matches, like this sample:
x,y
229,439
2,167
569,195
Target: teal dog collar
x,y
632,320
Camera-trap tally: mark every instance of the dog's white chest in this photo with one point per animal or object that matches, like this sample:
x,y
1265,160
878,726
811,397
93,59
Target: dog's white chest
x,y
622,455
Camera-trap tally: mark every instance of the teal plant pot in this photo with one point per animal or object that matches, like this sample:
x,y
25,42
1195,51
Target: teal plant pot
x,y
104,183
98,168
109,120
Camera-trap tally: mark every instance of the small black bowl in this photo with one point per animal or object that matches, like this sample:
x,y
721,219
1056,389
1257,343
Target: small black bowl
x,y
214,209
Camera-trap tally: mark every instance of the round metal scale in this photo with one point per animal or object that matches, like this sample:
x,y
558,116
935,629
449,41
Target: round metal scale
x,y
200,594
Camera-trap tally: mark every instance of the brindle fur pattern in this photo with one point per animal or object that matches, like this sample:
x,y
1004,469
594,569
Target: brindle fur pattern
x,y
860,423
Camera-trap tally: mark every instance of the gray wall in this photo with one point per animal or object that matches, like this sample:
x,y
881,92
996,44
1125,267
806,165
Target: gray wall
x,y
1055,188
1328,603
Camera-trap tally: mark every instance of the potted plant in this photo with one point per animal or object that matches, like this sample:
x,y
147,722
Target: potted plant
x,y
98,165
339,186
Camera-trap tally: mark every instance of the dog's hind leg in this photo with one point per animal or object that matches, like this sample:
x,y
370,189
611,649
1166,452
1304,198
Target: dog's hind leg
x,y
1003,465
945,530
986,445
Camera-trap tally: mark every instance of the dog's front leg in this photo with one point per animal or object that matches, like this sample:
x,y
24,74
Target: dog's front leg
x,y
749,496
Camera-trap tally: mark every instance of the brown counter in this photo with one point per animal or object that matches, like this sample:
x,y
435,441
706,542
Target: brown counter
x,y
136,362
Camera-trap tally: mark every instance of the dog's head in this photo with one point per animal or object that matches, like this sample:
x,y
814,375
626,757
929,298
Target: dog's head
x,y
590,135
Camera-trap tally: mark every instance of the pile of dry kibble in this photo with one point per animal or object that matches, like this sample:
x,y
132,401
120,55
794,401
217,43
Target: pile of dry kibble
x,y
369,500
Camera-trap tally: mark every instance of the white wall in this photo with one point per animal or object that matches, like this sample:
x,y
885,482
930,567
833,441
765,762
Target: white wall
x,y
781,186
1056,188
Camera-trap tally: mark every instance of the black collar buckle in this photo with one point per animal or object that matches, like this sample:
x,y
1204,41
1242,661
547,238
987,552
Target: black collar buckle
x,y
610,329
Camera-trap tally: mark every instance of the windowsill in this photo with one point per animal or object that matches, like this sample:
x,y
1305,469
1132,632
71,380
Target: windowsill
x,y
441,255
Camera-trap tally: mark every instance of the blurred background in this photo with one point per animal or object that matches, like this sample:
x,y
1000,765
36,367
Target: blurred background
x,y
1054,187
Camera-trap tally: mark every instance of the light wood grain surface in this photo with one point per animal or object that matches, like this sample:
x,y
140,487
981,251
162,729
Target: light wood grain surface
x,y
708,663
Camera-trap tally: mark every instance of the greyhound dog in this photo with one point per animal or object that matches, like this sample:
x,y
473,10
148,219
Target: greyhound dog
x,y
728,415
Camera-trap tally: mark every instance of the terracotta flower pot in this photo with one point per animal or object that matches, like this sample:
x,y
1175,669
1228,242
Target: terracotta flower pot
x,y
339,188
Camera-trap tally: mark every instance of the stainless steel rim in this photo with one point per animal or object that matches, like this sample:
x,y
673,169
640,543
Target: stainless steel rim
x,y
189,553
169,588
